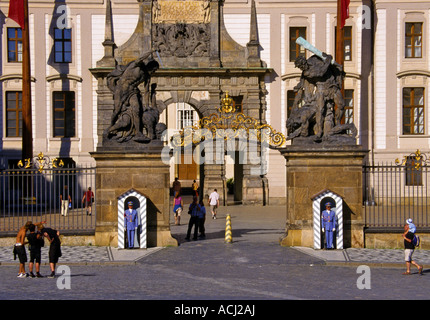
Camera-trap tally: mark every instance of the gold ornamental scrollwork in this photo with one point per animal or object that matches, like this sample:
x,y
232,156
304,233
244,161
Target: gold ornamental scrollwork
x,y
228,125
41,162
417,160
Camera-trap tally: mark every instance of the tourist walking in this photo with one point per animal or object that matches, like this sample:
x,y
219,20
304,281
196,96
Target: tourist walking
x,y
409,251
65,201
88,200
202,219
176,186
214,203
178,207
194,219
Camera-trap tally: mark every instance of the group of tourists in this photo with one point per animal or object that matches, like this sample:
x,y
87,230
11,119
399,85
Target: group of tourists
x,y
196,209
35,241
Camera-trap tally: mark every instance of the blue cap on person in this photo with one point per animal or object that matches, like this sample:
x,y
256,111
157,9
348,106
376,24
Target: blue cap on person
x,y
130,203
328,204
408,221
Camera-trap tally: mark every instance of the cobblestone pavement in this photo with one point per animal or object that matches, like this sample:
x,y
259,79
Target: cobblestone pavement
x,y
253,267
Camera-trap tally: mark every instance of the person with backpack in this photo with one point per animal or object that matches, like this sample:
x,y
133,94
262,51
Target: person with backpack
x,y
409,250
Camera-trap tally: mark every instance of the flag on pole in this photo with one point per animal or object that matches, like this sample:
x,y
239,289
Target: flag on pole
x,y
16,11
344,4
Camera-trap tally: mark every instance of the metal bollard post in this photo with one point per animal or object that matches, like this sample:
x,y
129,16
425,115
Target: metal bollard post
x,y
228,232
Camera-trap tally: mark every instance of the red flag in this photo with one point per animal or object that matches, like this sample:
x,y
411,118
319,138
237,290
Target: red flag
x,y
16,11
344,7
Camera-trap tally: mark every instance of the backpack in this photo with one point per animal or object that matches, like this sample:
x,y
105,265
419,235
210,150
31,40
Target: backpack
x,y
416,241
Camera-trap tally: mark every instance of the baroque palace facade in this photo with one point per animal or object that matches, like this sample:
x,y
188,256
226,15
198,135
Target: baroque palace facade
x,y
387,64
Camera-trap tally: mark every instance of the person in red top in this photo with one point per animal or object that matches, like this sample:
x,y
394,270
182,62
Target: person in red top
x,y
88,200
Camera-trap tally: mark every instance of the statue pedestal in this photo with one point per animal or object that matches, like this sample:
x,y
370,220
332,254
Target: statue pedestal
x,y
310,171
143,171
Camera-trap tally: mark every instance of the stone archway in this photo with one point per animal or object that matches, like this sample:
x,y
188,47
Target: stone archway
x,y
218,64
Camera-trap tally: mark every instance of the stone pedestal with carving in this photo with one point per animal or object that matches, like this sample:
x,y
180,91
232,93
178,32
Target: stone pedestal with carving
x,y
311,170
143,171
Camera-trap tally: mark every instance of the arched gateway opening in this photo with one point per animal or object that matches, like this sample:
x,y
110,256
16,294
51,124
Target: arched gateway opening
x,y
190,61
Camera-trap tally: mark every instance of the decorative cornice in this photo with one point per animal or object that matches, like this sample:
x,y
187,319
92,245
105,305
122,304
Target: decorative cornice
x,y
409,73
13,76
63,77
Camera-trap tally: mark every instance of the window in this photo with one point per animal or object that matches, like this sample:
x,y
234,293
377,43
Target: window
x,y
295,49
413,171
349,106
186,116
413,36
413,110
14,45
63,45
347,42
13,114
237,103
64,114
291,96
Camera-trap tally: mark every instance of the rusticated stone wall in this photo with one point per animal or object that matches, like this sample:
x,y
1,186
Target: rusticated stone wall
x,y
311,170
118,172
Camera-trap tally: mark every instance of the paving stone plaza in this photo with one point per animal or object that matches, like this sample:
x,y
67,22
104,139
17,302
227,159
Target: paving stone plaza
x,y
254,267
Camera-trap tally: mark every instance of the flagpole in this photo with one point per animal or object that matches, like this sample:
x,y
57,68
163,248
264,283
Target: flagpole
x,y
27,132
340,43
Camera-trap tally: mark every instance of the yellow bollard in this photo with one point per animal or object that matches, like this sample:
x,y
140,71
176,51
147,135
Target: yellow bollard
x,y
228,232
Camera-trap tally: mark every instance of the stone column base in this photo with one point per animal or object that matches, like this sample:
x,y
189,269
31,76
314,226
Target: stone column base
x,y
312,170
117,173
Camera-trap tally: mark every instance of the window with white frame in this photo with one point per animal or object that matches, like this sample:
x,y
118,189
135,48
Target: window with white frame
x,y
413,110
186,116
14,114
14,45
349,106
413,39
64,114
296,50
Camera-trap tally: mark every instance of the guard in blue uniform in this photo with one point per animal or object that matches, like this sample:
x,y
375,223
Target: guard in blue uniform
x,y
130,223
328,224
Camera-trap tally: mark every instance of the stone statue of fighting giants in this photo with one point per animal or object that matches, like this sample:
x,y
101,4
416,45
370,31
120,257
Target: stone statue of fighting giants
x,y
313,117
135,115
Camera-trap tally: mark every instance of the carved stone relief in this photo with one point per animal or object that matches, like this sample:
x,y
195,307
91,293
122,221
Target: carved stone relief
x,y
173,11
181,40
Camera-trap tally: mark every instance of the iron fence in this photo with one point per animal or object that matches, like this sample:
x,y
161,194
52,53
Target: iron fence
x,y
394,193
33,195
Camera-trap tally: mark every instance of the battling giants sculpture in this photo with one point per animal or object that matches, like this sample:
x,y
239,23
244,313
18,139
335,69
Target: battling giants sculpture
x,y
134,117
313,117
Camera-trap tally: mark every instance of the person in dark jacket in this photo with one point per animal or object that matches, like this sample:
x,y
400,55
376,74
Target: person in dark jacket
x,y
194,219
